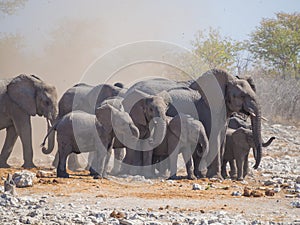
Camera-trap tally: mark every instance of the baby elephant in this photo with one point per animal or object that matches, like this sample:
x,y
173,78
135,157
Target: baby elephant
x,y
186,135
79,132
237,148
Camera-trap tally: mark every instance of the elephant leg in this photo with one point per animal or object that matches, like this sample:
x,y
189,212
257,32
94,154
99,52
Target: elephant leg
x,y
196,161
93,163
147,167
132,161
233,169
119,154
23,128
246,167
10,140
240,168
224,169
187,156
56,159
173,164
214,169
91,156
100,163
107,158
63,154
73,162
163,165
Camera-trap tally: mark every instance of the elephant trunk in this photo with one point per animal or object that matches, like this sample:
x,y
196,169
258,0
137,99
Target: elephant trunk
x,y
266,144
51,138
160,129
135,131
256,131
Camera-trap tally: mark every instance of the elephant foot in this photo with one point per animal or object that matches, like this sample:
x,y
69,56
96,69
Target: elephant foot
x,y
29,165
240,179
97,176
191,177
62,174
105,176
114,172
4,165
174,177
75,167
93,172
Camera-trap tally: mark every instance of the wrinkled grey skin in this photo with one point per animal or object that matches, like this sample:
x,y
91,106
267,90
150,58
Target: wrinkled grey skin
x,y
185,135
20,98
82,97
144,110
79,131
238,95
237,148
236,122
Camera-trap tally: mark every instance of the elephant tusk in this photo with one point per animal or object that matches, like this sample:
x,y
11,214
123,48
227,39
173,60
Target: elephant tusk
x,y
252,114
49,123
264,118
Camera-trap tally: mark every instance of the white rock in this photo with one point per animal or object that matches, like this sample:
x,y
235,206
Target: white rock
x,y
236,193
23,178
295,204
197,187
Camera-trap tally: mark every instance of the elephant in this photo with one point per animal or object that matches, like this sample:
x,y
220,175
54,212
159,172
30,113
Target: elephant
x,y
237,148
236,122
184,135
148,113
81,97
79,131
211,98
20,98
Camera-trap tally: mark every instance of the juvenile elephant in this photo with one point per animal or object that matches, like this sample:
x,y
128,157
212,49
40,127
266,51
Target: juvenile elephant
x,y
20,98
82,97
237,148
236,122
148,113
186,135
79,131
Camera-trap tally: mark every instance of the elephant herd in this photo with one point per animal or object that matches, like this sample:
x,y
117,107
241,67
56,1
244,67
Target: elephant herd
x,y
146,125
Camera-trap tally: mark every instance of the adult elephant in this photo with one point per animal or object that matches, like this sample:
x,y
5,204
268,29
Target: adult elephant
x,y
82,97
211,98
20,98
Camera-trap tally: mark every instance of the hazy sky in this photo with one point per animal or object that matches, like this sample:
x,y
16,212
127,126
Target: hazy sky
x,y
132,20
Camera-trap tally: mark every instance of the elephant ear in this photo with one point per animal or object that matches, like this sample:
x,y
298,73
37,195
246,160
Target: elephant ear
x,y
251,82
176,128
104,116
135,103
22,91
204,83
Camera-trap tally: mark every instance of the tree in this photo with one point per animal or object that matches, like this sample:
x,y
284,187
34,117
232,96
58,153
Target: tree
x,y
9,7
276,41
219,52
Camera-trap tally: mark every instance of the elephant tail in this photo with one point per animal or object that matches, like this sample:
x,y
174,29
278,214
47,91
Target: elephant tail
x,y
266,144
44,149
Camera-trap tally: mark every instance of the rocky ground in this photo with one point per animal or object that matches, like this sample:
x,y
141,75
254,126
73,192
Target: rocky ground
x,y
269,195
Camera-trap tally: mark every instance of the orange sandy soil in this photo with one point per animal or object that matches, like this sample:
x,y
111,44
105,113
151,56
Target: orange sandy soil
x,y
80,182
